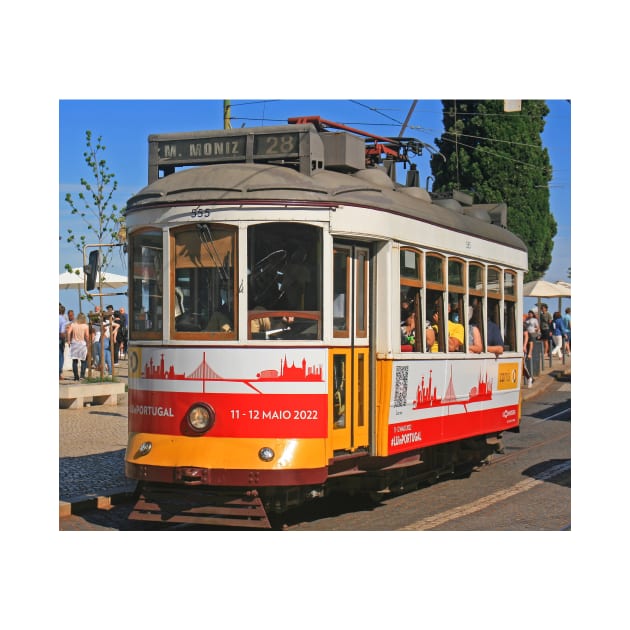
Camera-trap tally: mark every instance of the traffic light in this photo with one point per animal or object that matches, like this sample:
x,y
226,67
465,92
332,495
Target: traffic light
x,y
91,269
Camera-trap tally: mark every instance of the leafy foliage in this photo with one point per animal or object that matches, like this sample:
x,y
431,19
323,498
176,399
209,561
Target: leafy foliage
x,y
498,157
94,205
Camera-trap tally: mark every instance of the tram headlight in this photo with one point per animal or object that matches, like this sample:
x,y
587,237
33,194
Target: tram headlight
x,y
200,417
266,454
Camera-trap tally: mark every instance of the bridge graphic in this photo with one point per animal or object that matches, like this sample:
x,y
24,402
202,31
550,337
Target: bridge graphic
x,y
426,393
204,372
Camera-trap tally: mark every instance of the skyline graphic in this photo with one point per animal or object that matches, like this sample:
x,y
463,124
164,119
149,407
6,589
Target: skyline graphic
x,y
205,372
427,396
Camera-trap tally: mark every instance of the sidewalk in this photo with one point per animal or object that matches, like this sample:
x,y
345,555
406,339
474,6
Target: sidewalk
x,y
547,376
92,443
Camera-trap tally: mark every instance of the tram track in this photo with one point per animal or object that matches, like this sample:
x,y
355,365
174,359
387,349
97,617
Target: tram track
x,y
480,504
499,459
551,417
547,473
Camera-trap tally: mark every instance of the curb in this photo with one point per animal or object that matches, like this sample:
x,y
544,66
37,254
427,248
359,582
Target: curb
x,y
544,380
85,503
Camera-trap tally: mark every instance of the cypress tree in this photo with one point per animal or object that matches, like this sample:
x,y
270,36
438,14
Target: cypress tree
x,y
498,156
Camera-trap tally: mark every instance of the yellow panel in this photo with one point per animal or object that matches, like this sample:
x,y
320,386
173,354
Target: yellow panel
x,y
361,387
341,436
227,453
509,375
383,395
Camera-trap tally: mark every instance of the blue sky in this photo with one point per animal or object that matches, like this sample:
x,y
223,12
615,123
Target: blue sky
x,y
125,125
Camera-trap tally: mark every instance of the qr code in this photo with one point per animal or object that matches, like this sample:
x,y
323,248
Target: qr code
x,y
400,387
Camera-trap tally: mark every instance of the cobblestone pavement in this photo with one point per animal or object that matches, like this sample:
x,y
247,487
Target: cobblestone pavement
x,y
92,443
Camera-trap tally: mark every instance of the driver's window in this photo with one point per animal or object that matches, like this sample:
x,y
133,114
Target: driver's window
x,y
203,293
284,262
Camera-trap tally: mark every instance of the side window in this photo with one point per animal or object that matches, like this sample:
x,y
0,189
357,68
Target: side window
x,y
342,259
412,315
458,320
476,292
284,262
146,317
361,291
435,287
203,295
509,313
494,299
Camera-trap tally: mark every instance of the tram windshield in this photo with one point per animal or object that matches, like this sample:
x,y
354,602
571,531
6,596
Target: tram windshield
x,y
284,263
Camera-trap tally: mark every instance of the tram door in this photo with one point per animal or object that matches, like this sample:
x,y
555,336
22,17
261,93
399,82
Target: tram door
x,y
349,359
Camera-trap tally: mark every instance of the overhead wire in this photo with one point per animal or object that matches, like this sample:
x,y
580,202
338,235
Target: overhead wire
x,y
494,153
445,134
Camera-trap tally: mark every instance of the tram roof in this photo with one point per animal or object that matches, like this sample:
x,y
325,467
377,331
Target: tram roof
x,y
371,187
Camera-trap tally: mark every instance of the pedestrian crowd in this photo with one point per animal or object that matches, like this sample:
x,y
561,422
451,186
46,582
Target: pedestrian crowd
x,y
554,331
99,337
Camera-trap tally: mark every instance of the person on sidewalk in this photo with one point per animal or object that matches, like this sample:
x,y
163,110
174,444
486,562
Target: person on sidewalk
x,y
559,334
533,329
78,338
96,339
69,321
63,320
108,339
116,343
545,327
123,332
566,320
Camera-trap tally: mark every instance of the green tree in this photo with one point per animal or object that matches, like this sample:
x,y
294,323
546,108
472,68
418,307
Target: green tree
x,y
103,219
498,157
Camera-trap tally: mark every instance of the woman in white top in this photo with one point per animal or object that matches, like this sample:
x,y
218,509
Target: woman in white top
x,y
533,329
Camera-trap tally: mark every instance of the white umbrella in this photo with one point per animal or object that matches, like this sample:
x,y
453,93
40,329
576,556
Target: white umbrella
x,y
545,289
76,280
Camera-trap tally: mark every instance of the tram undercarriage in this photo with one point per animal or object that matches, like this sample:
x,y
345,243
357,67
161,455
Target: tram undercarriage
x,y
260,508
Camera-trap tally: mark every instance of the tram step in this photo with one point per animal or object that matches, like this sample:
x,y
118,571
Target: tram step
x,y
220,510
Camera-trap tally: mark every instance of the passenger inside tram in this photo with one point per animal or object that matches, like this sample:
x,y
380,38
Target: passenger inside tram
x,y
408,331
495,339
475,342
454,328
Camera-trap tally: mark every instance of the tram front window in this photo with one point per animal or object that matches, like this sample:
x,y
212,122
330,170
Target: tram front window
x,y
284,263
146,287
203,295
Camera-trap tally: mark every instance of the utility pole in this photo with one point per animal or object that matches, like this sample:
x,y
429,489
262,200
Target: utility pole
x,y
227,123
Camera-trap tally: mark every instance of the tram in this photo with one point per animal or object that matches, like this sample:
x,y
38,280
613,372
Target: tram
x,y
273,275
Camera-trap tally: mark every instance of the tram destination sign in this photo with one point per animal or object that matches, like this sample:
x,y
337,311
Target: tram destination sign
x,y
207,149
167,151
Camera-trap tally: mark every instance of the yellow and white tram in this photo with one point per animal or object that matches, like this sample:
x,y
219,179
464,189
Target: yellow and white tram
x,y
275,275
